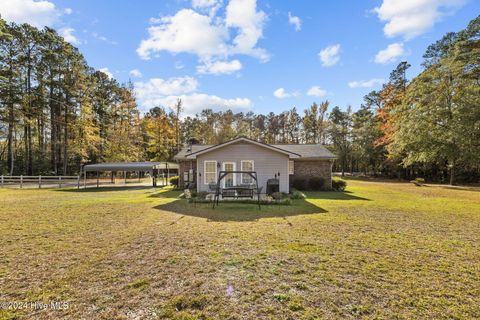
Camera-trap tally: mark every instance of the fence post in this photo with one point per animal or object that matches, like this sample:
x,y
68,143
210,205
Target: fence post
x,y
39,182
60,181
2,180
21,181
78,182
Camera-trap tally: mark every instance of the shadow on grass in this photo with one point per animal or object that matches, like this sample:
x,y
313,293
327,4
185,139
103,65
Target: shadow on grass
x,y
461,188
239,211
332,195
166,193
106,189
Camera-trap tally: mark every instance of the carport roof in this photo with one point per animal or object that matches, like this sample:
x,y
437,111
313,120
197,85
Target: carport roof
x,y
130,166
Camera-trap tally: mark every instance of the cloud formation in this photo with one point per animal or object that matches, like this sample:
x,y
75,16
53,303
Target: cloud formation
x,y
295,21
135,73
366,83
67,34
280,93
330,55
316,91
37,13
411,18
390,53
160,92
219,67
206,36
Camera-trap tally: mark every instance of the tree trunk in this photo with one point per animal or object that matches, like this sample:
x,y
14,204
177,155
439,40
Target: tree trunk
x,y
11,127
65,137
452,173
53,133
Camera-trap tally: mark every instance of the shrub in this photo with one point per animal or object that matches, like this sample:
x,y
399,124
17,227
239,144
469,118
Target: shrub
x,y
174,181
339,185
297,195
316,183
418,181
278,195
299,183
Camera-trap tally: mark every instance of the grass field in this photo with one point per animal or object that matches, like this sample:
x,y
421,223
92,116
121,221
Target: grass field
x,y
381,250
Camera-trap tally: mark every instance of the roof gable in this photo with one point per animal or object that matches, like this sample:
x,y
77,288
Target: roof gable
x,y
291,154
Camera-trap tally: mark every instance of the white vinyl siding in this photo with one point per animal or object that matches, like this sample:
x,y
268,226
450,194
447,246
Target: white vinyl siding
x,y
210,171
291,166
247,165
267,163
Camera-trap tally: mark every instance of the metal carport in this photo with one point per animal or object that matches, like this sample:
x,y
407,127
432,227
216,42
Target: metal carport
x,y
153,168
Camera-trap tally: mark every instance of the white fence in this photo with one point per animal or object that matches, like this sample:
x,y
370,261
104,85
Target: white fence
x,y
40,181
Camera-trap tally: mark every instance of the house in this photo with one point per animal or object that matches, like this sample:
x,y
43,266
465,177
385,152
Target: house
x,y
200,164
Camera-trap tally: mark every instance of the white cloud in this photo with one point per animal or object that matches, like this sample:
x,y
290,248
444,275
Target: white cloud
x,y
36,13
186,31
243,15
196,102
135,73
390,54
158,88
366,83
410,18
208,36
280,93
210,6
67,11
316,91
330,55
295,21
220,67
160,92
67,34
106,71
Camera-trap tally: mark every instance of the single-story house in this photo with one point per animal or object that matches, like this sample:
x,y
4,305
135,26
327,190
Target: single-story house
x,y
200,164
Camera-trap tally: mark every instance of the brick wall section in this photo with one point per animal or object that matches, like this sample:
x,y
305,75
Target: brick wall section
x,y
310,168
185,166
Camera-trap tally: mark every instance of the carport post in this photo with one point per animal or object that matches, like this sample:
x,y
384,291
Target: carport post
x,y
97,179
84,178
124,177
168,173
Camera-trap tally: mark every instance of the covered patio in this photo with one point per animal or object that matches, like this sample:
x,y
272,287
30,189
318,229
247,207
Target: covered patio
x,y
159,172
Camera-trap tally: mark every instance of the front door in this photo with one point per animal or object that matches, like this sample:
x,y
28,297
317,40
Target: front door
x,y
229,180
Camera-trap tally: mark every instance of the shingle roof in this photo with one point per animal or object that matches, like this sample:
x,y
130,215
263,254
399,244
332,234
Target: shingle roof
x,y
307,151
192,149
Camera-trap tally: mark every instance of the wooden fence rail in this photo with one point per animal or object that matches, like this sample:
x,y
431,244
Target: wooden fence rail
x,y
40,180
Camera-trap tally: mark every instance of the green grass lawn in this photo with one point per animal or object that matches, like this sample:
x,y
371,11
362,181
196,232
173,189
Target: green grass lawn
x,y
380,250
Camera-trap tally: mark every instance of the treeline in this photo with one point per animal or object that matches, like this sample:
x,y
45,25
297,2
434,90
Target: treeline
x,y
57,113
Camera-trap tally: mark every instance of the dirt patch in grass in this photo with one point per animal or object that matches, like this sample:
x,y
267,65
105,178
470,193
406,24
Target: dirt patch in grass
x,y
379,251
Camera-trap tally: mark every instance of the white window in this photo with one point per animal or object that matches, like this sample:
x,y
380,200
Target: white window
x,y
247,165
210,171
291,167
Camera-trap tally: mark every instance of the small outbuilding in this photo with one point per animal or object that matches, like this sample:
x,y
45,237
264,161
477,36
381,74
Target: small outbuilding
x,y
154,169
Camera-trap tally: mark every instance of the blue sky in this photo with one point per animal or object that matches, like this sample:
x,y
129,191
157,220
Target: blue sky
x,y
245,54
